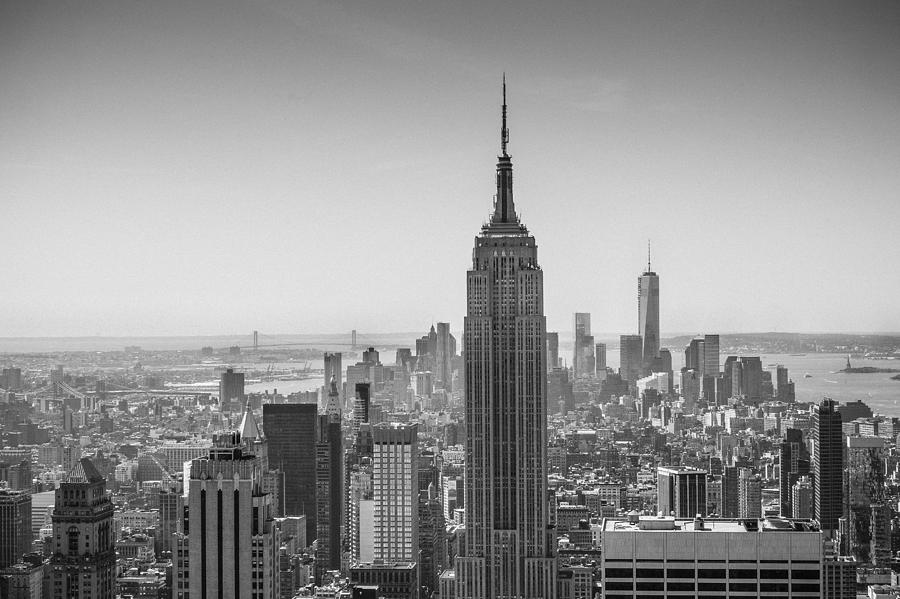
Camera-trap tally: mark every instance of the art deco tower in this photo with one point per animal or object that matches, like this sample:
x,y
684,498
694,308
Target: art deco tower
x,y
508,549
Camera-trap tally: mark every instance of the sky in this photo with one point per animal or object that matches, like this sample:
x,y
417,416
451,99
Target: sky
x,y
188,168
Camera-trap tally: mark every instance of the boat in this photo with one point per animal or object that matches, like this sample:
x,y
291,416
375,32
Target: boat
x,y
807,376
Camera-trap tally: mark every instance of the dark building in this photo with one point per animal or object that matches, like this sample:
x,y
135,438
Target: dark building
x,y
730,492
15,526
793,463
83,559
329,488
291,433
552,350
681,491
559,390
828,464
395,580
852,410
631,348
231,390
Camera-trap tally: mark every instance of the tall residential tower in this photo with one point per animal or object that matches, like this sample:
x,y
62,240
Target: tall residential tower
x,y
508,549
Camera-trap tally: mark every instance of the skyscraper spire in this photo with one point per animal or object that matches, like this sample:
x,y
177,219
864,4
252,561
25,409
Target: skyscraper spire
x,y
504,132
648,256
504,208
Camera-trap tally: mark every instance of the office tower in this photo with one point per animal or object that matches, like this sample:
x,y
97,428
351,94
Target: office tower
x,y
560,395
290,430
751,378
171,518
15,469
583,348
693,356
681,491
749,494
231,390
828,464
329,486
371,356
361,513
600,358
552,351
83,559
710,365
11,379
396,492
802,498
630,357
432,538
712,558
880,535
865,488
648,314
730,492
232,543
353,339
508,548
15,526
793,464
443,357
360,407
334,370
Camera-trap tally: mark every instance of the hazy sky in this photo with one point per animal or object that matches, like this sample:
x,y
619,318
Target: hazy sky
x,y
216,167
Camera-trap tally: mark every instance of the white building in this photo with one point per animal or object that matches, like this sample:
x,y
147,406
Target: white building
x,y
670,557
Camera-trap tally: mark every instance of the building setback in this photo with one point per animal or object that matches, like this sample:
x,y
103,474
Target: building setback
x,y
509,547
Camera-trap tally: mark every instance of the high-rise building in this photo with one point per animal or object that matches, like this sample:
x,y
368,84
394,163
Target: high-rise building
x,y
444,357
334,370
801,498
865,488
630,357
648,314
290,430
749,494
711,365
231,390
83,558
711,558
552,351
693,356
508,548
681,491
828,464
583,361
329,486
232,544
600,358
793,464
15,526
171,518
395,485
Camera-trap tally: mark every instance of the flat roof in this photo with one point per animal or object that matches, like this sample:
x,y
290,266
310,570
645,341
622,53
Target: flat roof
x,y
670,524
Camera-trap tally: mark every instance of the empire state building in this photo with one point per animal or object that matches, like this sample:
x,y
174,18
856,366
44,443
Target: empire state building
x,y
508,550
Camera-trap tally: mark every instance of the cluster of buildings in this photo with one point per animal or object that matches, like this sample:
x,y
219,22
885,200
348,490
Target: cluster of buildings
x,y
494,471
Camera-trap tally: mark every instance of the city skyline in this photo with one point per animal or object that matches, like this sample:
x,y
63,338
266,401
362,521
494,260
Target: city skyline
x,y
155,157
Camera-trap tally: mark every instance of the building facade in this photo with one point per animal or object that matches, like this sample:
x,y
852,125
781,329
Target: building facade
x,y
83,561
508,548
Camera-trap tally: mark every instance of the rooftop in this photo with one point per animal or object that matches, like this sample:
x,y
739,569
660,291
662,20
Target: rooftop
x,y
668,523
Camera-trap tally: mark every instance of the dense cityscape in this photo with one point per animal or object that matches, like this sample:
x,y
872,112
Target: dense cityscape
x,y
481,466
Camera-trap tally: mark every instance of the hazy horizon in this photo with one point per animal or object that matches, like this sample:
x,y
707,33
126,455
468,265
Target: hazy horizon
x,y
179,169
